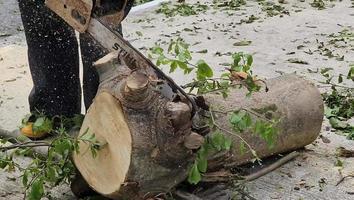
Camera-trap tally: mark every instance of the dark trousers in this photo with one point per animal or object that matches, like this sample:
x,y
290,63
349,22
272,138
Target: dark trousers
x,y
54,62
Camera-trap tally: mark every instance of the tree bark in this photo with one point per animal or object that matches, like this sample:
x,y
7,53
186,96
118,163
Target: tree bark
x,y
293,101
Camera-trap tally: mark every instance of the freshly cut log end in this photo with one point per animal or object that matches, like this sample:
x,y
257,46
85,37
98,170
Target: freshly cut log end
x,y
179,113
106,65
137,81
114,158
136,87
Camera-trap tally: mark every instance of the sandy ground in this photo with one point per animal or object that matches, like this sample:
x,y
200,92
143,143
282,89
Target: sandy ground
x,y
274,40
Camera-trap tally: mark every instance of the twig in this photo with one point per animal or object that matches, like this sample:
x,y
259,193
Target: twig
x,y
186,195
247,110
272,167
333,84
344,177
24,146
227,131
12,136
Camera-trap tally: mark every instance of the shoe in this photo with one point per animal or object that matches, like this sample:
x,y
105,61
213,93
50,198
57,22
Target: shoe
x,y
36,127
27,130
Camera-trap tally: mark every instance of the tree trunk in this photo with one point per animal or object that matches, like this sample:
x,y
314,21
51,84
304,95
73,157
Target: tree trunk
x,y
147,142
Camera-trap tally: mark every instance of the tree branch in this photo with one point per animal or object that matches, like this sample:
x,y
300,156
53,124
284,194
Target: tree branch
x,y
227,131
29,145
271,167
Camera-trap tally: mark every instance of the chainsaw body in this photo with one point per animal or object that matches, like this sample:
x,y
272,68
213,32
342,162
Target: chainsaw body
x,y
78,13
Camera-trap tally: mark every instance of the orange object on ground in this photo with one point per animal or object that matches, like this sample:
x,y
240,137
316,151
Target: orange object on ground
x,y
27,131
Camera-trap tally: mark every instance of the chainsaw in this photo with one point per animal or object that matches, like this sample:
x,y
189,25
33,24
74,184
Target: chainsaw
x,y
99,18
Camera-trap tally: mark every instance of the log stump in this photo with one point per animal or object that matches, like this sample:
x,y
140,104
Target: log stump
x,y
145,136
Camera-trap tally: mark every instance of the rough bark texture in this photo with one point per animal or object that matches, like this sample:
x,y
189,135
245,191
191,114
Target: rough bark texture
x,y
158,158
294,101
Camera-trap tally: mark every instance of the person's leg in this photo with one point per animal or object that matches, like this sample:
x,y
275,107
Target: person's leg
x,y
90,52
53,61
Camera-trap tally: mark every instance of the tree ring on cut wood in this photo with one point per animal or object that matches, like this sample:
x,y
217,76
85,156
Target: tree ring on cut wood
x,y
108,170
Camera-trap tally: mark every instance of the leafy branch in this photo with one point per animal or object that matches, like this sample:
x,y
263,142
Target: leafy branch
x,y
54,168
239,73
339,102
178,56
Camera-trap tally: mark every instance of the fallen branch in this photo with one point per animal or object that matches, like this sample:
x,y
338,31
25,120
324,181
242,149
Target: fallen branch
x,y
343,178
343,152
13,137
25,145
271,167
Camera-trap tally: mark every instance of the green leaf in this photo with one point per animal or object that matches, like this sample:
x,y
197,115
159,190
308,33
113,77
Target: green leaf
x,y
236,117
297,61
170,47
37,190
325,70
177,49
340,78
173,66
337,124
242,148
184,67
243,43
4,162
249,60
42,124
329,112
203,70
78,120
237,58
217,140
51,174
25,119
203,151
202,164
351,73
62,147
157,50
25,178
258,127
202,51
248,120
38,123
139,33
227,143
338,163
194,176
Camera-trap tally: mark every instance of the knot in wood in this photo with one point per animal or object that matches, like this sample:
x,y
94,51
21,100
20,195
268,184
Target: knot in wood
x,y
136,87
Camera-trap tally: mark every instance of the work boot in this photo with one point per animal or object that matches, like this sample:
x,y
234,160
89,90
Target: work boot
x,y
36,126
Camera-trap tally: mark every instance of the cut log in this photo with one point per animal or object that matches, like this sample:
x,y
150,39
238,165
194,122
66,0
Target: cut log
x,y
114,157
294,101
142,133
147,140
